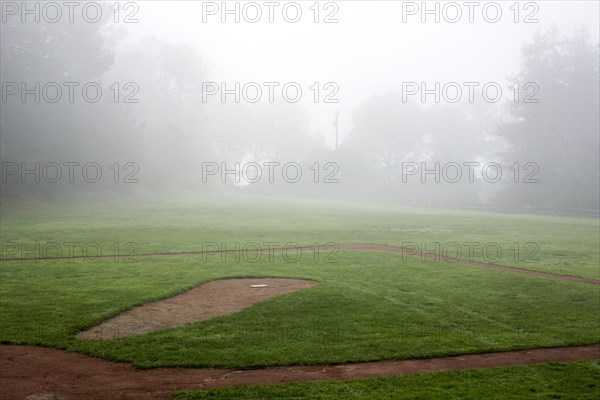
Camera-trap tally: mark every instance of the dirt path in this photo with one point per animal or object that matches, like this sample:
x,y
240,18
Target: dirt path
x,y
38,373
436,257
362,246
211,299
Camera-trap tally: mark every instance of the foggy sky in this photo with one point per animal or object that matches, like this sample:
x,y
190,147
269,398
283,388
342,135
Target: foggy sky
x,y
369,51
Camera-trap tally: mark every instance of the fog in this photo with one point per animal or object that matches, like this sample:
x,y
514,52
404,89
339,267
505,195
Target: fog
x,y
467,105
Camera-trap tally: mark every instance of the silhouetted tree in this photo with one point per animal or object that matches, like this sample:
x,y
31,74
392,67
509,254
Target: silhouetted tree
x,y
560,132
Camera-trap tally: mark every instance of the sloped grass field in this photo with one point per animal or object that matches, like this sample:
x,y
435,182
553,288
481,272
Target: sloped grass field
x,y
575,380
562,245
368,306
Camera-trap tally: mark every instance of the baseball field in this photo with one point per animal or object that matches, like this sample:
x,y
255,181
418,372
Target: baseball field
x,y
228,297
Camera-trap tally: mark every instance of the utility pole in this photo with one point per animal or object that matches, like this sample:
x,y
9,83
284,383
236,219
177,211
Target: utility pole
x,y
337,131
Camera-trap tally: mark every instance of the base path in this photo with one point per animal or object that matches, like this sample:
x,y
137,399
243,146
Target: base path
x,y
359,246
39,373
438,258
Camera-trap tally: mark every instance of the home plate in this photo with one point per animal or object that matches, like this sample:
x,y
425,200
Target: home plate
x,y
201,303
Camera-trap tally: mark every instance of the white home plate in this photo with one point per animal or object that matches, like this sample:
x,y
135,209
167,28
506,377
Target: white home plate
x,y
258,286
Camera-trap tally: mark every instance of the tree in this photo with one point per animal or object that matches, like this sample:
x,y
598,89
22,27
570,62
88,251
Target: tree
x,y
388,134
169,77
63,131
560,132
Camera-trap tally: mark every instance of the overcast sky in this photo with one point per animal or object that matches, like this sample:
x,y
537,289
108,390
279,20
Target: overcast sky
x,y
369,51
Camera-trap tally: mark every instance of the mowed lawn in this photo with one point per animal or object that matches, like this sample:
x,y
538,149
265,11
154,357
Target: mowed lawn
x,y
368,306
576,381
122,226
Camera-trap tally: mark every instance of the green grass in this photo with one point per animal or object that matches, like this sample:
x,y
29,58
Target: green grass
x,y
577,380
553,244
368,306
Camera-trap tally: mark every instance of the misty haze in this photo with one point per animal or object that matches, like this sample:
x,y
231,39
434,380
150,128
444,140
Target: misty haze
x,y
290,190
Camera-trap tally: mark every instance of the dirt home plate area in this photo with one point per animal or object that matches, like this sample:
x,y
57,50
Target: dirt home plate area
x,y
203,302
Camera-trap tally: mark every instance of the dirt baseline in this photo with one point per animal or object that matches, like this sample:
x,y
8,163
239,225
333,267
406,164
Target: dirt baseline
x,y
38,373
208,300
362,246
